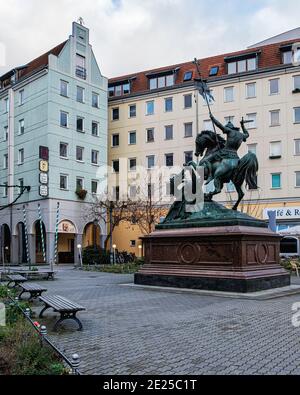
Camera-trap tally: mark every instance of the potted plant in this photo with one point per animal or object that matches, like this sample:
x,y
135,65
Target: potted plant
x,y
81,193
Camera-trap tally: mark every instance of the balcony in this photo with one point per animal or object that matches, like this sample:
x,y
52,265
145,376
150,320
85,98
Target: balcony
x,y
80,72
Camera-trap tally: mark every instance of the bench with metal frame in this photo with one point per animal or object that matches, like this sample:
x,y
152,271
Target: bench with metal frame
x,y
65,307
35,290
49,274
17,279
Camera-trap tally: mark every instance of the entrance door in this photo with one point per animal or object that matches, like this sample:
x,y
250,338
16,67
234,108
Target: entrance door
x,y
66,248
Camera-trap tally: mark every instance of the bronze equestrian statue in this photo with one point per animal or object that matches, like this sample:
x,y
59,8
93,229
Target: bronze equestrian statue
x,y
221,161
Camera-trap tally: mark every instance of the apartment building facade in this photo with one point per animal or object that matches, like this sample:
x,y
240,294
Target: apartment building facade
x,y
154,117
53,122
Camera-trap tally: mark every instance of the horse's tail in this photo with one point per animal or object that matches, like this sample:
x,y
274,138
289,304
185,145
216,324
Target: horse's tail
x,y
247,170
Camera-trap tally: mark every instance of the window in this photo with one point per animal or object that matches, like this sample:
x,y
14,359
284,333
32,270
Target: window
x,y
94,186
63,150
242,66
5,161
187,76
5,189
252,148
132,191
296,82
116,166
119,90
274,118
21,126
80,124
21,156
132,243
287,57
6,101
150,161
161,82
297,114
64,88
115,113
274,86
150,135
5,135
21,97
276,180
275,149
132,111
95,128
187,101
297,179
80,94
251,90
43,152
228,94
95,157
79,153
188,129
297,147
80,70
169,160
21,183
150,107
188,157
64,119
95,100
169,104
229,118
132,164
253,118
132,138
213,71
79,183
208,125
63,181
115,140
116,193
169,132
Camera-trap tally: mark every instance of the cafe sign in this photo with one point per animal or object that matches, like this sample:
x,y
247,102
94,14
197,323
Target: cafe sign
x,y
284,212
66,227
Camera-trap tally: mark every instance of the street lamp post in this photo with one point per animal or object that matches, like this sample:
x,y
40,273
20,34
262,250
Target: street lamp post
x,y
140,250
114,247
80,254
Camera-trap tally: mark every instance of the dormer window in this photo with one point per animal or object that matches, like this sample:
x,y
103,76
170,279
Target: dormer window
x,y
119,89
242,63
188,76
213,71
163,79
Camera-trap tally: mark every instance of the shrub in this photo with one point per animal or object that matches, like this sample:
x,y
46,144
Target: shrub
x,y
98,256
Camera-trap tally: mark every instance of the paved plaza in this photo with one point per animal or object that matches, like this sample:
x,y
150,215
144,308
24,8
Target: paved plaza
x,y
137,331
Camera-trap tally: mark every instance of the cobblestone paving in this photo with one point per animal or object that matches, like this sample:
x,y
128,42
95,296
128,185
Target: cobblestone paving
x,y
137,331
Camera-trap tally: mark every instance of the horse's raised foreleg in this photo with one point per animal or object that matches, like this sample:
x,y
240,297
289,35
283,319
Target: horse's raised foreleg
x,y
240,196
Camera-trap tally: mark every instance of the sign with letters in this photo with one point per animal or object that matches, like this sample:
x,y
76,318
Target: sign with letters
x,y
44,178
283,212
43,190
44,166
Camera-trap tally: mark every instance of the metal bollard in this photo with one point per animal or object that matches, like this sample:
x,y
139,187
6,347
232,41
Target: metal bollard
x,y
27,312
75,363
43,333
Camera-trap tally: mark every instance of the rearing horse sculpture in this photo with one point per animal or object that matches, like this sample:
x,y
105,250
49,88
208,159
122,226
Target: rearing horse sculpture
x,y
221,162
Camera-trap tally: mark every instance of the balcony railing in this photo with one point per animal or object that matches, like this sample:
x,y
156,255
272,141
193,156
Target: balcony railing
x,y
81,72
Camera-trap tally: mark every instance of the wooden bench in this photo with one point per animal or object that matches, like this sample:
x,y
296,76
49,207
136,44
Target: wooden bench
x,y
16,279
35,290
65,307
48,274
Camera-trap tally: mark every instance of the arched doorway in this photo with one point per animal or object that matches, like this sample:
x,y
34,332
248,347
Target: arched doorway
x,y
66,242
39,257
22,257
5,243
289,246
91,235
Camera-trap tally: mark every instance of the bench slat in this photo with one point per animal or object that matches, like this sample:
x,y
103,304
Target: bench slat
x,y
16,277
32,287
59,303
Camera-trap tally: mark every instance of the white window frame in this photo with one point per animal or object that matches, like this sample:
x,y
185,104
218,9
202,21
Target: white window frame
x,y
271,144
132,131
94,193
78,160
277,93
131,105
21,97
295,144
20,130
168,98
97,163
82,179
273,174
98,126
67,182
67,151
151,141
226,89
255,89
112,114
64,112
250,124
129,159
112,140
21,153
147,161
297,186
272,112
5,161
187,95
98,99
60,88
296,122
83,94
147,102
83,124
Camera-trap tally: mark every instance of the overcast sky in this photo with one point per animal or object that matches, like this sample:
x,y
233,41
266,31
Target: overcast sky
x,y
132,35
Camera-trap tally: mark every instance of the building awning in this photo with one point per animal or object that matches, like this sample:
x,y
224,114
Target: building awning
x,y
242,56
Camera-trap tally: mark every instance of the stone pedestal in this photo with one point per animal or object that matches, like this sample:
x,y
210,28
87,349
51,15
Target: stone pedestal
x,y
235,258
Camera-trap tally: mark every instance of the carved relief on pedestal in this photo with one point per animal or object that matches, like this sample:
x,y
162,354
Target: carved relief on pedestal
x,y
261,253
188,253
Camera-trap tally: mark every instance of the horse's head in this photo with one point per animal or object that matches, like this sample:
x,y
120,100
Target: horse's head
x,y
209,140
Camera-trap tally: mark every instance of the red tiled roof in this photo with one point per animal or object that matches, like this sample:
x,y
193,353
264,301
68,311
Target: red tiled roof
x,y
270,56
41,61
